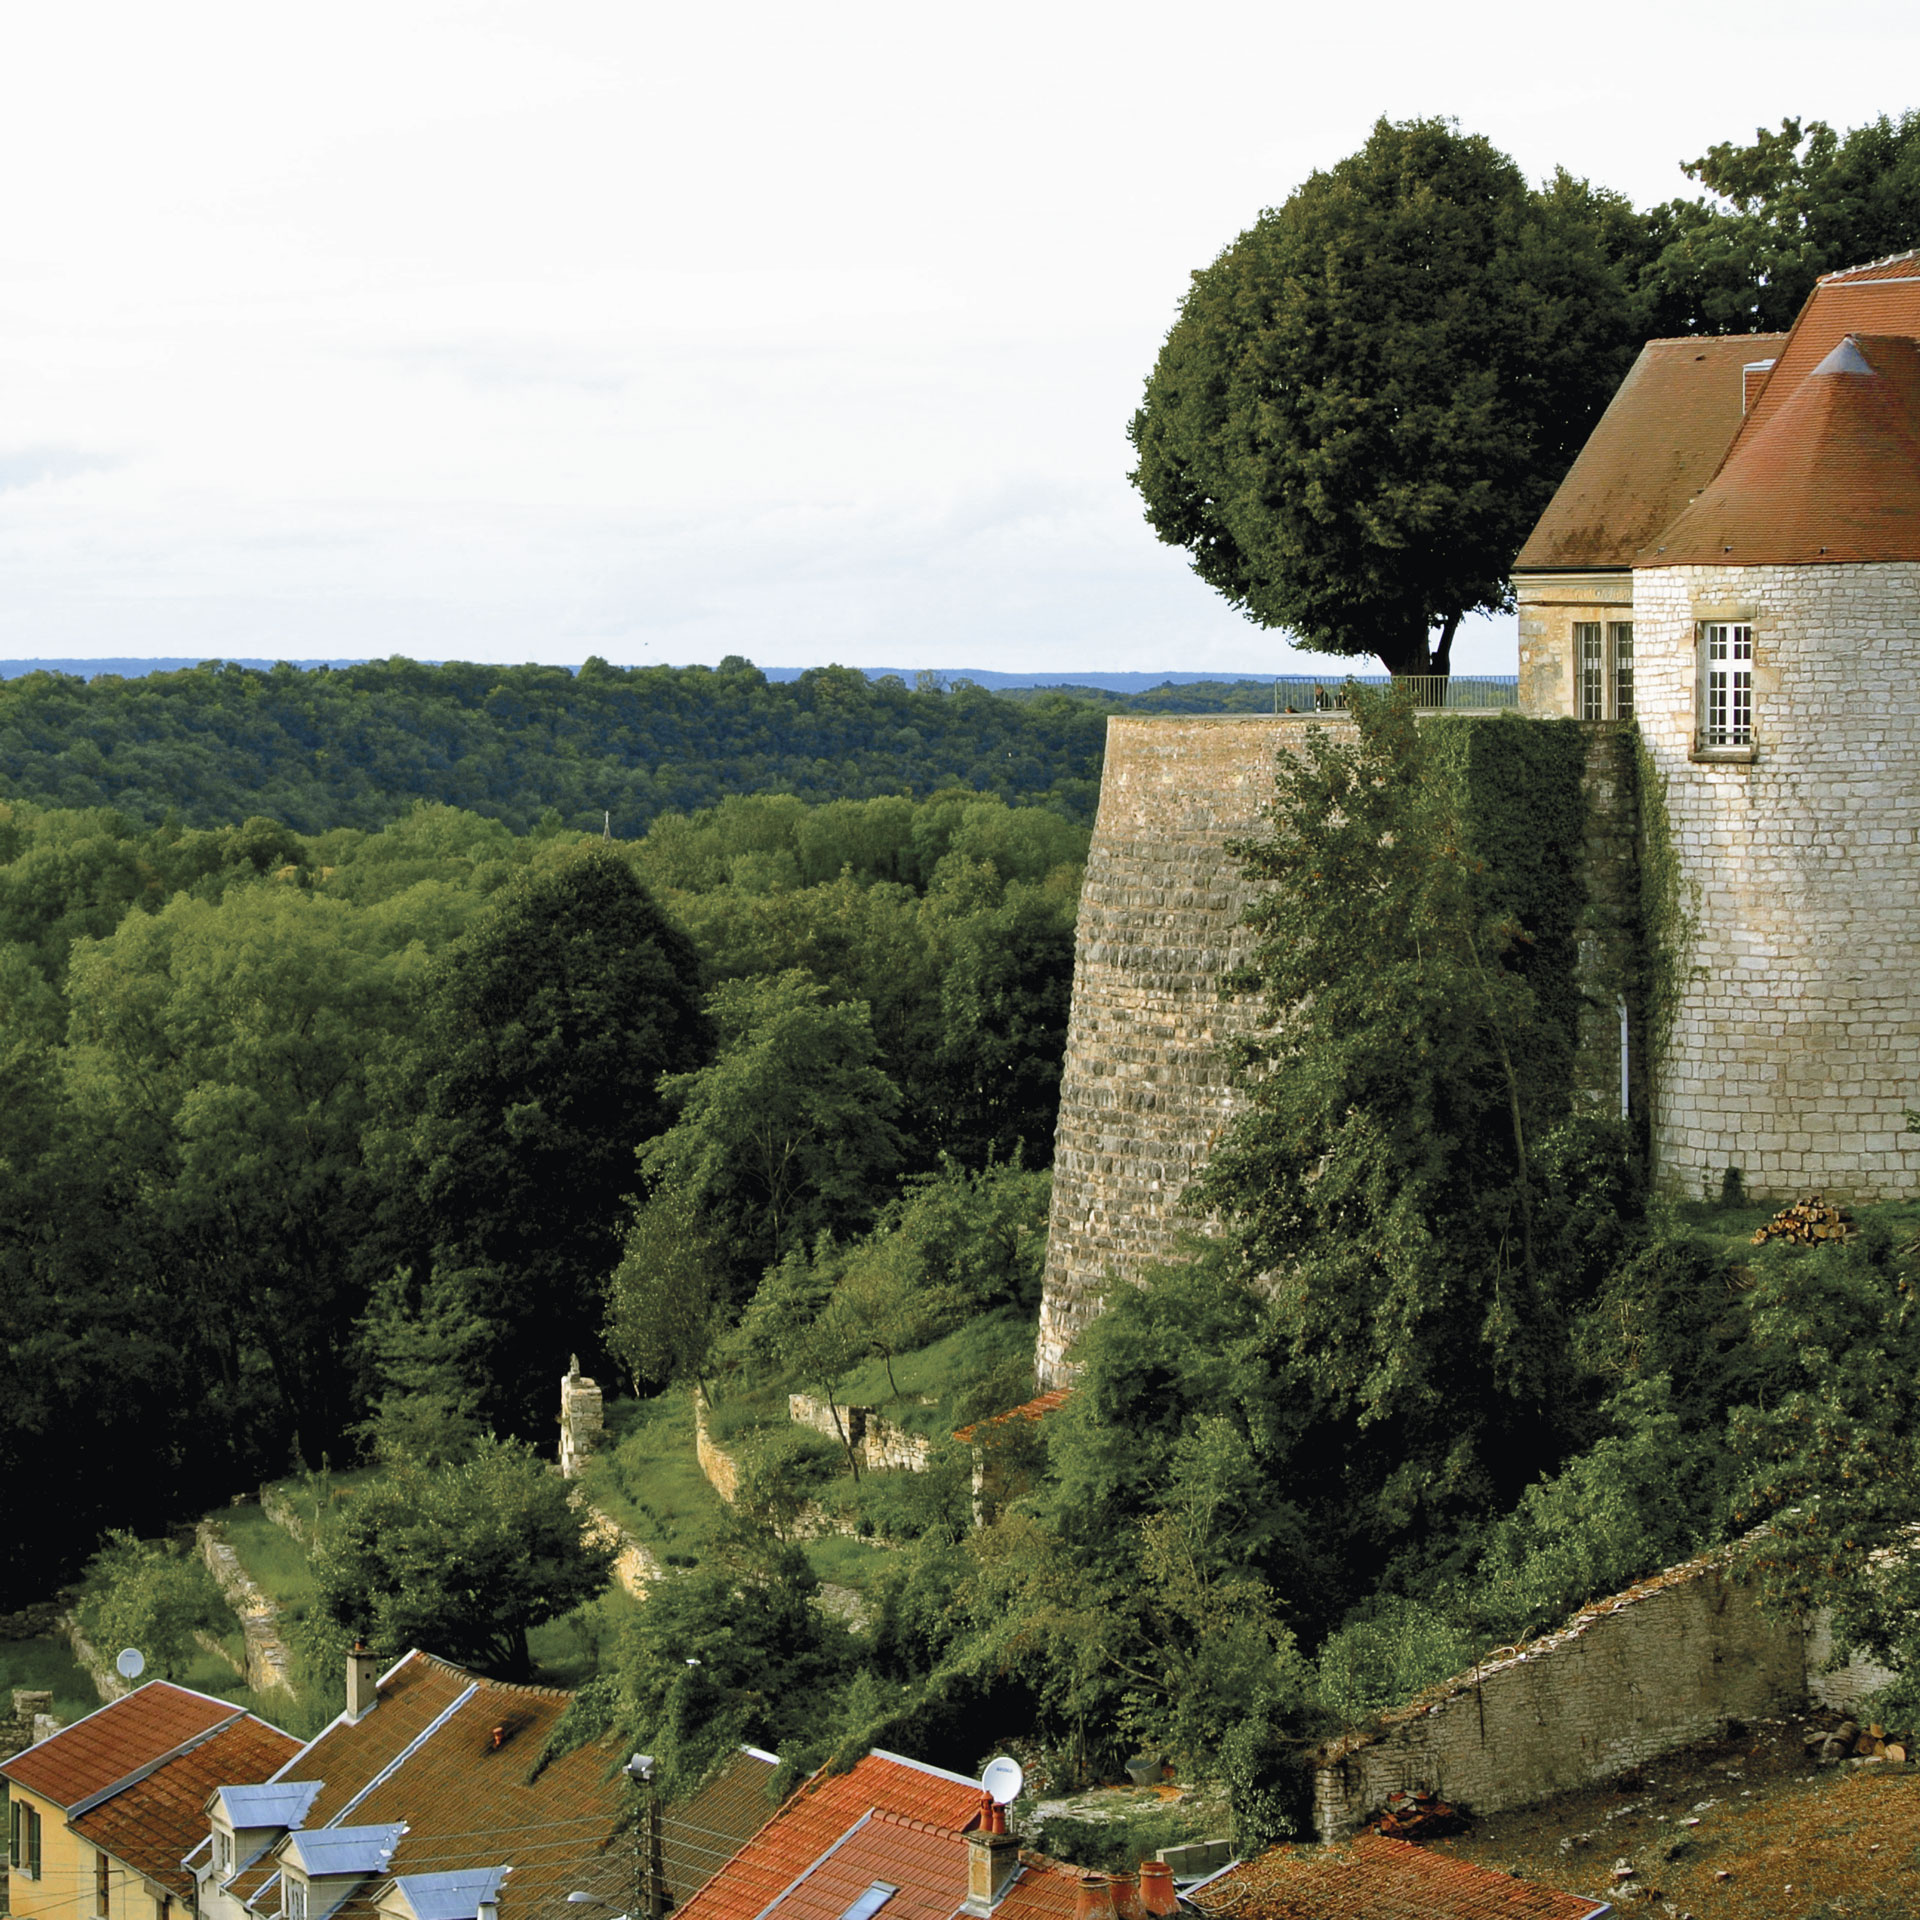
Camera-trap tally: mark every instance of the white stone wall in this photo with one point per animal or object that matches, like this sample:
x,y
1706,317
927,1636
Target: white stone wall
x,y
1796,1045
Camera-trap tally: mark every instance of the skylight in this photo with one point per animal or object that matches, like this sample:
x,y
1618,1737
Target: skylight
x,y
870,1902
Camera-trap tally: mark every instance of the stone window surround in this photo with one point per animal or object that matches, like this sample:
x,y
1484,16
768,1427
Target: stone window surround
x,y
1744,613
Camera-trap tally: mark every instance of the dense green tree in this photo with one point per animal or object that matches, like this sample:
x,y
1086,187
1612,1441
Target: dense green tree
x,y
1369,396
1786,207
153,1597
547,1027
460,1559
790,1132
667,1299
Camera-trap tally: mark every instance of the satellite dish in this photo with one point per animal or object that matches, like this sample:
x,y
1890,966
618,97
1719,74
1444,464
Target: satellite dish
x,y
130,1663
1003,1779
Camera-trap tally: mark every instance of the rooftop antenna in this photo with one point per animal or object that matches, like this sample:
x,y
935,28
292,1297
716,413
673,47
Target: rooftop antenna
x,y
1003,1779
130,1663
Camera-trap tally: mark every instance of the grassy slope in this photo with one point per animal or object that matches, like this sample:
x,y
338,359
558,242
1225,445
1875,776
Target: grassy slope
x,y
48,1665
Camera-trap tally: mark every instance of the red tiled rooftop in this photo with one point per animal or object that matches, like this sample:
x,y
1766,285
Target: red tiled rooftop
x,y
1036,1409
820,1813
1659,442
1373,1878
154,1823
120,1739
1832,475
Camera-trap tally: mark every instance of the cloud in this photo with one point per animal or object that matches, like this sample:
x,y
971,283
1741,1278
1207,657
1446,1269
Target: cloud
x,y
23,467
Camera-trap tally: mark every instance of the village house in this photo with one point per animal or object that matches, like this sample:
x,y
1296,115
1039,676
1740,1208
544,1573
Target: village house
x,y
437,1796
100,1813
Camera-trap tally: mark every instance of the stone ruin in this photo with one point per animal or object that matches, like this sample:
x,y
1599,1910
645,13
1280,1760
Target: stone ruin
x,y
582,1419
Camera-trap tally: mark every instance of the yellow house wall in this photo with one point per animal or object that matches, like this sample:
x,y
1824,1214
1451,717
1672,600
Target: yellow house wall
x,y
1549,604
65,1889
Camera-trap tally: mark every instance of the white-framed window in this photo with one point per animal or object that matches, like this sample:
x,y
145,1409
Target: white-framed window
x,y
293,1898
1726,684
1603,669
222,1852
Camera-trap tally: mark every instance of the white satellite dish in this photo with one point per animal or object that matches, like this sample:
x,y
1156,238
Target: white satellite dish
x,y
1003,1779
130,1663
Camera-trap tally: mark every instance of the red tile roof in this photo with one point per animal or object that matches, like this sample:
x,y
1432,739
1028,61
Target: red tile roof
x,y
1866,300
117,1741
1659,442
825,1811
425,1756
151,1825
1037,1409
1372,1878
1833,474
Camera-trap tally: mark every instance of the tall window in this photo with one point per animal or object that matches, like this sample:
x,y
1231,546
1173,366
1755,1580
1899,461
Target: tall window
x,y
222,1852
23,1838
296,1898
1620,632
1591,664
102,1884
1726,685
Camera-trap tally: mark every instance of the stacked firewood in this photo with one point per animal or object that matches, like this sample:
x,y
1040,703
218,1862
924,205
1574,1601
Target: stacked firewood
x,y
1851,1741
1418,1816
1807,1222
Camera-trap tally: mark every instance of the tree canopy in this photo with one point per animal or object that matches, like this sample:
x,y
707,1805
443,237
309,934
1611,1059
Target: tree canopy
x,y
1370,395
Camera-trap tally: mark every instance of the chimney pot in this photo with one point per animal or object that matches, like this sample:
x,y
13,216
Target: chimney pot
x,y
1156,1889
1093,1898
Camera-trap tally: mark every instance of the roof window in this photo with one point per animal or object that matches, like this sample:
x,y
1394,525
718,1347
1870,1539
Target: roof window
x,y
870,1902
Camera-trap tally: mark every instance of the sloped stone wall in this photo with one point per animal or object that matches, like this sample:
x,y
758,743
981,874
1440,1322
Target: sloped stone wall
x,y
1144,1095
1657,1667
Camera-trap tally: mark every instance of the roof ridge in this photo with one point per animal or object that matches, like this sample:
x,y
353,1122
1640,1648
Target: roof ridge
x,y
1867,266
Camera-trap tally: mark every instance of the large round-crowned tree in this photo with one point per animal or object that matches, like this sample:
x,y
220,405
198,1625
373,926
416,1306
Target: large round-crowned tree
x,y
1370,395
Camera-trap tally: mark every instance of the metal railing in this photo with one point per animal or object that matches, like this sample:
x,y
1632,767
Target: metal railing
x,y
1456,693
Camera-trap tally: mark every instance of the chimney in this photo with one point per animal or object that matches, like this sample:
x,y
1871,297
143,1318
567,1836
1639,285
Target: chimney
x,y
1753,376
363,1671
1093,1898
993,1855
1156,1889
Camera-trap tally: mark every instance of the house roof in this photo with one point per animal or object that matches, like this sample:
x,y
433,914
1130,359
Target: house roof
x,y
1882,298
111,1747
450,1896
153,1824
889,1820
323,1851
1832,474
424,1758
1373,1878
284,1804
1035,1409
823,1812
1659,442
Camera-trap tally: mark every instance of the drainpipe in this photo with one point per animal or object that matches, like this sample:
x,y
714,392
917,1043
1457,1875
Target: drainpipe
x,y
1625,1099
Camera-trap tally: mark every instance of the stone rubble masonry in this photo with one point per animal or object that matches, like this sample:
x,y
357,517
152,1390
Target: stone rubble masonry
x,y
1795,1048
882,1445
715,1462
269,1663
582,1420
1144,1094
1640,1674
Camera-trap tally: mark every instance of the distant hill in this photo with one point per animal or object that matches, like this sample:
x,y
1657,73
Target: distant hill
x,y
357,745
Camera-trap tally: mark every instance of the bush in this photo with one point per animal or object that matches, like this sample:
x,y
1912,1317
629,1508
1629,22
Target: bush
x,y
152,1595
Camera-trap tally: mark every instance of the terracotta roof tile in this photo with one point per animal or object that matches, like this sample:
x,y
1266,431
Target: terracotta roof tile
x,y
118,1740
1036,1409
1372,1878
1865,300
824,1811
1659,442
1832,475
153,1824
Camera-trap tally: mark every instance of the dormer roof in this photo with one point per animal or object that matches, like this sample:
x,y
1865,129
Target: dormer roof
x,y
1831,474
283,1803
324,1852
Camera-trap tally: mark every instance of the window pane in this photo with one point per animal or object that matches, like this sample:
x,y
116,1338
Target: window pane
x,y
1622,633
1590,666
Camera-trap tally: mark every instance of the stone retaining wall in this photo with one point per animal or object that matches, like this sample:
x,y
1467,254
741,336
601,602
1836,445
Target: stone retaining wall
x,y
1667,1662
878,1443
269,1663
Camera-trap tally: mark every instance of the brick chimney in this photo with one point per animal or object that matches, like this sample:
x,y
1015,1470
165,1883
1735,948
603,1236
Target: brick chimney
x,y
993,1856
1753,376
363,1672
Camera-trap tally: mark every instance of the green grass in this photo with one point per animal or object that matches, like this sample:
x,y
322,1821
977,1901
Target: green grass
x,y
650,1480
275,1561
48,1665
939,1373
569,1651
846,1562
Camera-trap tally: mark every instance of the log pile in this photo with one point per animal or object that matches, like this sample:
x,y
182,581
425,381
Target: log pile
x,y
1806,1223
1418,1816
1851,1741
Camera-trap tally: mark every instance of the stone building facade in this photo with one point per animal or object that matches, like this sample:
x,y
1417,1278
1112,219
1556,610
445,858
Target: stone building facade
x,y
1726,589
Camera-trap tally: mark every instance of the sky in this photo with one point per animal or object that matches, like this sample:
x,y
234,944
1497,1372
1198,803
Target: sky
x,y
507,331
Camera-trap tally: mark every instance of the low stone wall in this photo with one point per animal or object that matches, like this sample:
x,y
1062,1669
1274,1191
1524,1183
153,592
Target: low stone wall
x,y
269,1658
1663,1664
282,1512
881,1445
717,1464
634,1565
106,1683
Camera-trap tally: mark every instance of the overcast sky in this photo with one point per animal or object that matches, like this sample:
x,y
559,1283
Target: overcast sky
x,y
523,332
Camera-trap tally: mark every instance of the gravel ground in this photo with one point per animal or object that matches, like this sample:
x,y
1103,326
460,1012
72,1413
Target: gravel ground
x,y
1732,1830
